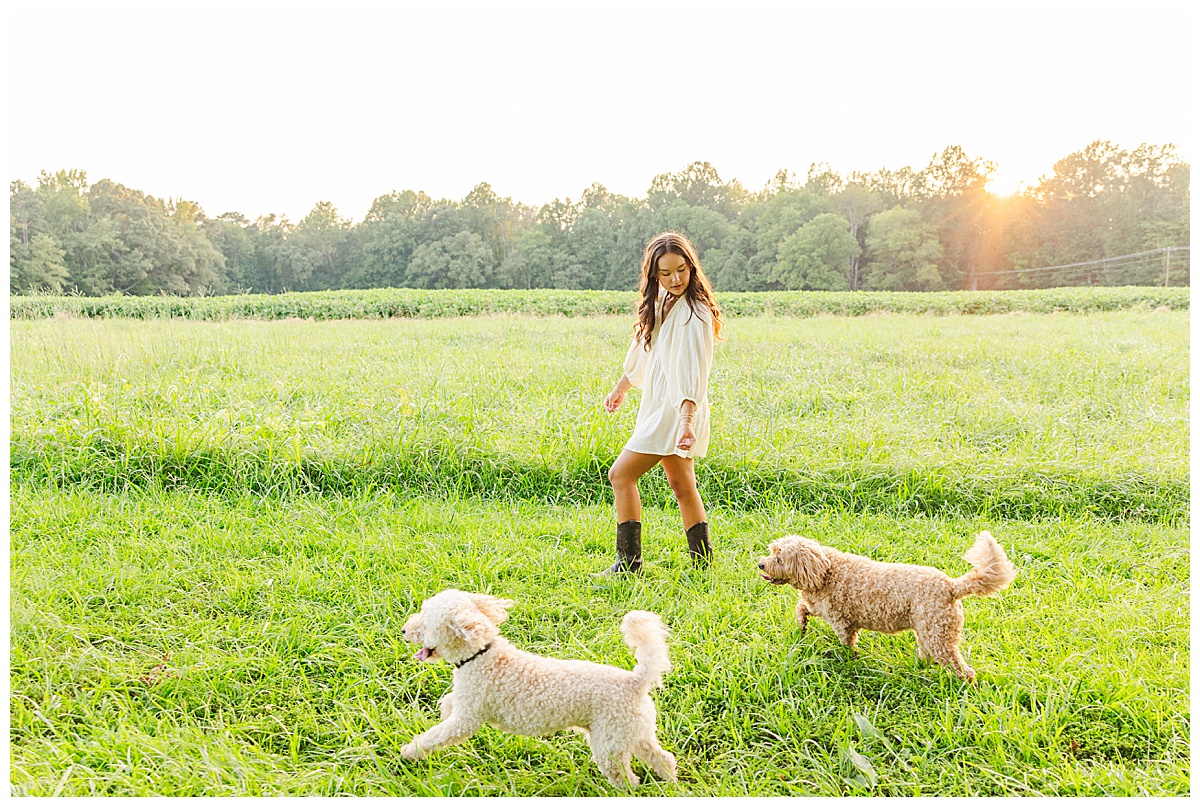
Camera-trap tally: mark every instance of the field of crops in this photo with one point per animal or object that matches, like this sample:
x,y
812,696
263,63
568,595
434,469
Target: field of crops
x,y
219,522
425,304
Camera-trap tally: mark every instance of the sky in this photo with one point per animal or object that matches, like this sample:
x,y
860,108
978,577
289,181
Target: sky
x,y
262,108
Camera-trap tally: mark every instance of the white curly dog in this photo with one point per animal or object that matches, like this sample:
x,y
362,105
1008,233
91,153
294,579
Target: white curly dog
x,y
521,693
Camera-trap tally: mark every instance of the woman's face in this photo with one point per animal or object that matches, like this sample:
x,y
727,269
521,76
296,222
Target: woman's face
x,y
674,274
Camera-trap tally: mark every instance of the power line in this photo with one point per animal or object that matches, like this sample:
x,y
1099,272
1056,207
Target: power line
x,y
1118,262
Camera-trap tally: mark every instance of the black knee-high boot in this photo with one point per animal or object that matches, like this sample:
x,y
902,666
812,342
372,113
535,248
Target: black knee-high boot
x,y
698,546
629,549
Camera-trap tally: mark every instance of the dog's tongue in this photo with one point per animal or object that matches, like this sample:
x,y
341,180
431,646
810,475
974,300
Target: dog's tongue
x,y
422,654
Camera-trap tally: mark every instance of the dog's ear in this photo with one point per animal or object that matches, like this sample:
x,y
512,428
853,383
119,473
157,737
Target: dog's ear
x,y
472,627
494,608
804,561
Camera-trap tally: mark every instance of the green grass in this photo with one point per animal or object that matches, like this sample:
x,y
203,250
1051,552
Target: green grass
x,y
1016,416
217,529
286,672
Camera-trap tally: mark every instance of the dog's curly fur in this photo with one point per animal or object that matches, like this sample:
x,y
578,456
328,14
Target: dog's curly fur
x,y
526,694
854,593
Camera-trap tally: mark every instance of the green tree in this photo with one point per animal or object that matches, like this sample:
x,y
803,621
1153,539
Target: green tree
x,y
731,272
386,240
639,227
35,260
610,231
900,187
953,196
774,220
36,265
593,247
705,227
1104,202
496,220
25,217
903,253
270,271
823,180
227,233
460,261
88,241
318,245
814,258
729,264
160,246
200,263
63,201
697,185
1100,202
857,203
530,264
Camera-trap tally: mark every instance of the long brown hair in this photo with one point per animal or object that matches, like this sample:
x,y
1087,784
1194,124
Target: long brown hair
x,y
698,290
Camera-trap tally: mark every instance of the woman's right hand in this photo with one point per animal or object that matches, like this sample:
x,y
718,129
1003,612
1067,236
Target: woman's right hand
x,y
614,400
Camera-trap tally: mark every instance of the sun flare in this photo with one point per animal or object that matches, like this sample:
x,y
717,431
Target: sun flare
x,y
1005,183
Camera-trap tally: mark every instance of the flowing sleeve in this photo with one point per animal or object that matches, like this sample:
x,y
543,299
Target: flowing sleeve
x,y
688,377
635,363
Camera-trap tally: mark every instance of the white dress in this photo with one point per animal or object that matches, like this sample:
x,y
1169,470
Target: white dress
x,y
673,371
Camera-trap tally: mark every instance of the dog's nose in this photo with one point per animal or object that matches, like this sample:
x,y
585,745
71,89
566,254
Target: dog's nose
x,y
760,564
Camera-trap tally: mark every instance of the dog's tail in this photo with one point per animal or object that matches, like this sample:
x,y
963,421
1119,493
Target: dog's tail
x,y
646,634
992,571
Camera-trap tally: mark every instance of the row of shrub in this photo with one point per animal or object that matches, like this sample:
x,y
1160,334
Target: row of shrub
x,y
423,303
99,462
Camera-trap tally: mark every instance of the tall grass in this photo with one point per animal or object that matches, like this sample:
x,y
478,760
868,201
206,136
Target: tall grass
x,y
1010,416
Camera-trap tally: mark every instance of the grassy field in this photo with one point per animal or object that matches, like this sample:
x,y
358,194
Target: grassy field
x,y
218,527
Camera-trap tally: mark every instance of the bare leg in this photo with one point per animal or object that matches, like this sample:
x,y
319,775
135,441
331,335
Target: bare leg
x,y
681,476
624,475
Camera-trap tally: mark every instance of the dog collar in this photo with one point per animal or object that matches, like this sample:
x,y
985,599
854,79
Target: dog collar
x,y
472,658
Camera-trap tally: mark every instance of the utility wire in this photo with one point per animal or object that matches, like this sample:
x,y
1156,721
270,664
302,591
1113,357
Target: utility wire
x,y
1117,262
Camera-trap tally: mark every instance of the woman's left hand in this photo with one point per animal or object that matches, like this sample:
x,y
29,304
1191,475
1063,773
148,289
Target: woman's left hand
x,y
687,436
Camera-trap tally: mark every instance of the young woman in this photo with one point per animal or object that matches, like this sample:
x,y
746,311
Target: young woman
x,y
670,357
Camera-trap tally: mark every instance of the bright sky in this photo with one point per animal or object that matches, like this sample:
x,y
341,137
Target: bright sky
x,y
271,109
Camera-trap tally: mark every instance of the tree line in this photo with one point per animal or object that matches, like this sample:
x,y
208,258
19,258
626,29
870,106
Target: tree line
x,y
937,228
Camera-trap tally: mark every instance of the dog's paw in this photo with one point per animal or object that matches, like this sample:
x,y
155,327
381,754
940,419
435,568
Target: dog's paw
x,y
621,783
412,752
